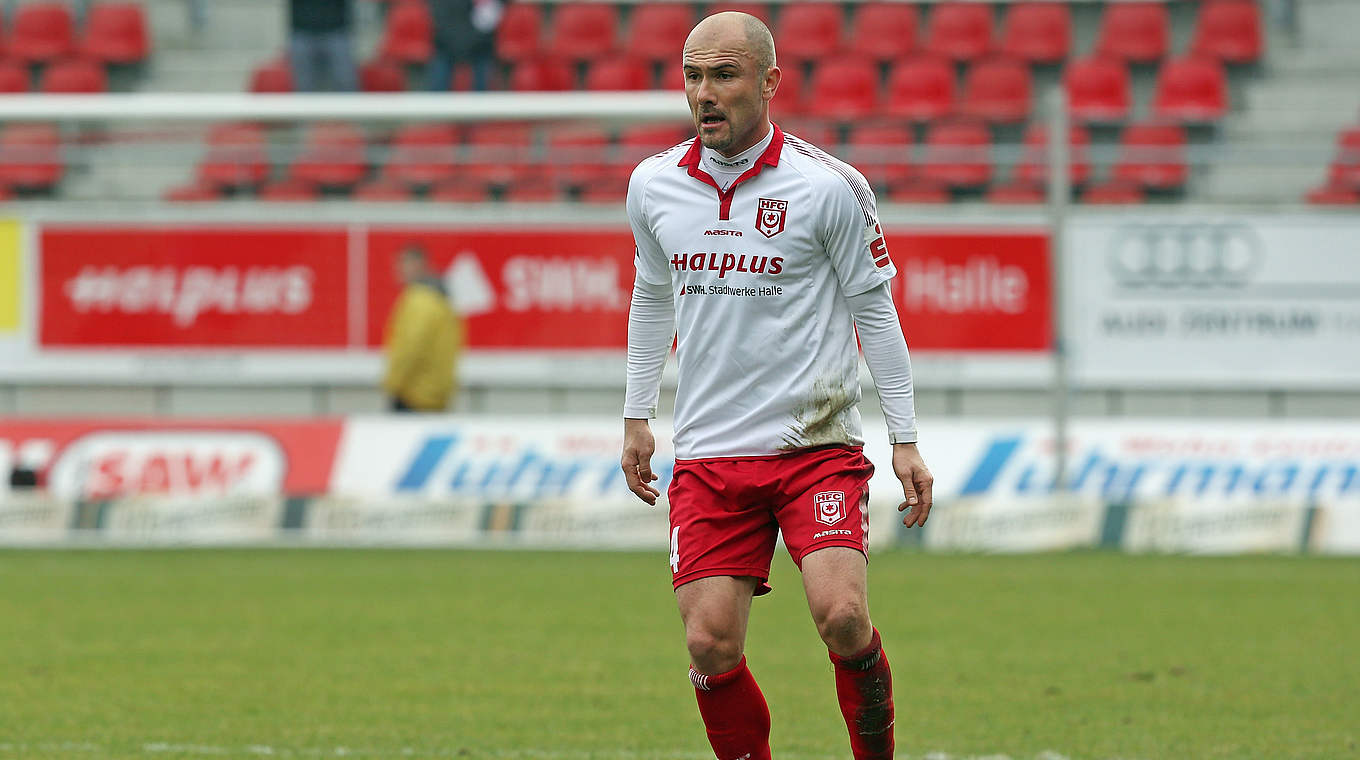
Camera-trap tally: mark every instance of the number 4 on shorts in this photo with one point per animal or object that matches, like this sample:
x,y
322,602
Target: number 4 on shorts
x,y
675,549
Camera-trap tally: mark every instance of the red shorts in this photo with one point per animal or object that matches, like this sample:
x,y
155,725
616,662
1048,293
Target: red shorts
x,y
726,513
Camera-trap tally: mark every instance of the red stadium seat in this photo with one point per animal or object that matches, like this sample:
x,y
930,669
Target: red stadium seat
x,y
1113,193
919,191
759,10
1345,170
611,189
1017,193
407,37
997,90
921,89
423,154
30,156
583,31
1033,167
382,75
643,140
810,129
1191,90
383,190
289,191
75,76
1153,156
272,76
43,32
193,192
844,88
881,152
542,75
958,153
884,31
460,190
13,77
1038,32
657,31
578,154
619,74
519,33
1098,90
116,33
532,189
1229,30
791,97
809,31
334,156
961,31
237,157
1333,195
497,153
1134,31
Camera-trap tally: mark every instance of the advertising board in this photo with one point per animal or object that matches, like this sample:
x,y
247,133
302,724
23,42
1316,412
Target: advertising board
x,y
1254,301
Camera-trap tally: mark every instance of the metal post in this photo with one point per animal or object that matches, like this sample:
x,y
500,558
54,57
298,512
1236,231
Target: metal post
x,y
1059,190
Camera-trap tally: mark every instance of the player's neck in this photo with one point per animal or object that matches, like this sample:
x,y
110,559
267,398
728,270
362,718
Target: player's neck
x,y
719,164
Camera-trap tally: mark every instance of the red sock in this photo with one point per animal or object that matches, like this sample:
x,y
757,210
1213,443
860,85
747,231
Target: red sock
x,y
864,687
734,712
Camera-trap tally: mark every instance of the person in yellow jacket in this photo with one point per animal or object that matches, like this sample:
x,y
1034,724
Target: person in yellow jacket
x,y
423,340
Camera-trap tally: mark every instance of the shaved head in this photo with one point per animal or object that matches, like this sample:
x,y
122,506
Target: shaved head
x,y
743,29
730,77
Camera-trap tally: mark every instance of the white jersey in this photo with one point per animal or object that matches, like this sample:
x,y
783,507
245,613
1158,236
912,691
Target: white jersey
x,y
760,272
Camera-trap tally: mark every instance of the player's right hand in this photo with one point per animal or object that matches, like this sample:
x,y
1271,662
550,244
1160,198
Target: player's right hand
x,y
638,447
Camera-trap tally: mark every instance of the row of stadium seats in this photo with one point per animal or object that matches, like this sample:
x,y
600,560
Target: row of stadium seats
x,y
45,32
923,88
1038,32
1342,186
71,75
518,161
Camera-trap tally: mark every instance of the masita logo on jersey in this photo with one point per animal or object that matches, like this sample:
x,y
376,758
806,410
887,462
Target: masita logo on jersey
x,y
722,263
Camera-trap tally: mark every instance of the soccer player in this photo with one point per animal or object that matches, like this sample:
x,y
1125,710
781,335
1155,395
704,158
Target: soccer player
x,y
768,255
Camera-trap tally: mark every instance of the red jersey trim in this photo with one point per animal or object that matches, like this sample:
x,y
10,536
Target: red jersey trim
x,y
769,158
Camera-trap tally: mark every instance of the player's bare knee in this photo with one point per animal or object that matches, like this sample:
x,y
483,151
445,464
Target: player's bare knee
x,y
845,627
712,652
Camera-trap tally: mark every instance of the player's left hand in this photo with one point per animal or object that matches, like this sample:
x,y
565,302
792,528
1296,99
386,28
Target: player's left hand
x,y
917,483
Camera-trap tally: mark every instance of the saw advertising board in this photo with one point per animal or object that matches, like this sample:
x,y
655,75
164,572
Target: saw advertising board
x,y
1241,301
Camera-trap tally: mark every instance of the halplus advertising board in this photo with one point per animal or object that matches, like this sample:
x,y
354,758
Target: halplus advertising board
x,y
1238,301
88,301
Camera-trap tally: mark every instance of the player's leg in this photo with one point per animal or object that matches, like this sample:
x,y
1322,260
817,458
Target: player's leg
x,y
715,611
836,584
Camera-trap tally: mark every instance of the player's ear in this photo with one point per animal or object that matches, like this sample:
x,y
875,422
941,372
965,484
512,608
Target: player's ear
x,y
771,84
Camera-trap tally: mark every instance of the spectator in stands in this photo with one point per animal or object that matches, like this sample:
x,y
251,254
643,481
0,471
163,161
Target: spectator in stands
x,y
464,32
423,339
320,43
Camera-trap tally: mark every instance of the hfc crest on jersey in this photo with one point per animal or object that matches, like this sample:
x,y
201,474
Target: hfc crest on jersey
x,y
830,506
770,215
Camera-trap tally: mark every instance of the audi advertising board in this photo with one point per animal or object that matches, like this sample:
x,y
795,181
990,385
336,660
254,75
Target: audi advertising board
x,y
1243,301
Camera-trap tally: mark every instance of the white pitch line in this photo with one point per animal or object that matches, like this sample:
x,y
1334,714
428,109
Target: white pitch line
x,y
266,750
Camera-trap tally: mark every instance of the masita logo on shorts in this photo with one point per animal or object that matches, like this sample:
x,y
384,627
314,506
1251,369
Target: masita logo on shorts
x,y
830,506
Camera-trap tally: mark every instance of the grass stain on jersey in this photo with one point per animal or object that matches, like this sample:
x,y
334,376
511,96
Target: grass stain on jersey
x,y
822,419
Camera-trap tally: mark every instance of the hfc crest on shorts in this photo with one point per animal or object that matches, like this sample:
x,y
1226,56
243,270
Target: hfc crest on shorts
x,y
770,215
830,506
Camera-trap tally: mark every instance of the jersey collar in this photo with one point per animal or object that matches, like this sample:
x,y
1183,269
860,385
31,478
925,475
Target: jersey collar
x,y
770,157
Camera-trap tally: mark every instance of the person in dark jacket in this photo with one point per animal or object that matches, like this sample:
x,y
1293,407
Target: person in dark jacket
x,y
320,45
464,32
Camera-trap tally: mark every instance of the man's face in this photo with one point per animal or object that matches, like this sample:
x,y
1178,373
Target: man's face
x,y
410,268
729,97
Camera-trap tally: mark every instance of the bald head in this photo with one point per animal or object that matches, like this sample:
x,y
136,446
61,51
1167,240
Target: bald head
x,y
736,31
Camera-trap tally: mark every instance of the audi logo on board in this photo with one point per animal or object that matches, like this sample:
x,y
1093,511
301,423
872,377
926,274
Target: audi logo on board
x,y
1162,256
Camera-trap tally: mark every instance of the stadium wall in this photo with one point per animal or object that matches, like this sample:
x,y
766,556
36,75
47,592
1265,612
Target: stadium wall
x,y
246,310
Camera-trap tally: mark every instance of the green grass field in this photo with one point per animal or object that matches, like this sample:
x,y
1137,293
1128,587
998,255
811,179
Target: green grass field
x,y
308,653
